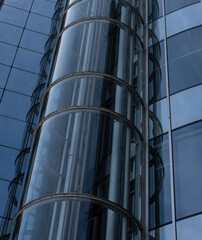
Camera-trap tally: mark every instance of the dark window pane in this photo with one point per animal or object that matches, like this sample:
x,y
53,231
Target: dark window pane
x,y
7,159
160,196
4,70
19,78
163,233
23,4
13,16
155,10
10,34
190,228
172,5
38,23
4,195
28,60
184,56
7,53
43,7
14,105
187,152
33,41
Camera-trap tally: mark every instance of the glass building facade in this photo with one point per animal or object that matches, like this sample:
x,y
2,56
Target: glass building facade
x,y
101,119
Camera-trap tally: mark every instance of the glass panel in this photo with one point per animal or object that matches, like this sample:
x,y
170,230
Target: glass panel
x,y
160,195
155,10
28,60
4,71
172,5
184,57
4,195
183,19
14,105
38,23
13,16
10,34
163,233
19,78
11,132
157,28
23,4
186,106
7,159
157,82
84,219
7,53
187,152
33,41
43,7
190,228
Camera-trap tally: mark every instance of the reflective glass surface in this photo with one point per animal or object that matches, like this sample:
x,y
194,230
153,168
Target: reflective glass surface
x,y
43,7
187,152
186,106
23,4
4,195
163,233
172,5
155,9
10,34
28,60
7,53
160,196
4,71
157,28
190,228
184,58
183,19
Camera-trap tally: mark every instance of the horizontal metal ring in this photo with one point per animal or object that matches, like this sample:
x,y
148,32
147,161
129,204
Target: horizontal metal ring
x,y
75,108
123,1
93,73
101,19
113,205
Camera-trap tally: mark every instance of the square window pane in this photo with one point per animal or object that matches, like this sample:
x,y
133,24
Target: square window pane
x,y
10,34
172,5
7,53
23,4
43,7
163,233
4,71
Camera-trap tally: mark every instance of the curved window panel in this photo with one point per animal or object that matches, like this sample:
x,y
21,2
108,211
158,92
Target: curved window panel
x,y
183,19
172,5
187,152
186,106
163,233
160,196
157,28
184,58
190,228
91,220
85,151
155,9
100,47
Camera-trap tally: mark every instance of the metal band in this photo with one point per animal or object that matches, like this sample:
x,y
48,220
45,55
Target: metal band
x,y
113,205
102,19
93,73
75,108
123,1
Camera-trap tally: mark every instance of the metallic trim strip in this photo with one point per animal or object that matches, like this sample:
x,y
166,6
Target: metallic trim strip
x,y
123,1
93,73
74,108
79,195
100,18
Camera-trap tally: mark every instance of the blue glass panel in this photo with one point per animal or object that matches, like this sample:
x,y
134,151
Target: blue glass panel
x,y
186,106
14,105
190,228
28,60
43,7
11,132
187,152
38,23
7,159
23,4
4,70
22,82
10,34
163,233
7,53
13,16
4,195
172,5
33,41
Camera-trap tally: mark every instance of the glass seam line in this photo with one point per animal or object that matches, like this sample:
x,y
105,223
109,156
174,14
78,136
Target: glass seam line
x,y
99,18
79,195
101,109
127,3
93,74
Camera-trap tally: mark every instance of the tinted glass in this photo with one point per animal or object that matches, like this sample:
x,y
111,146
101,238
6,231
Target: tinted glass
x,y
184,57
160,196
23,4
157,28
163,233
186,106
33,41
172,5
4,70
7,53
4,195
10,34
190,228
187,152
155,9
43,7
